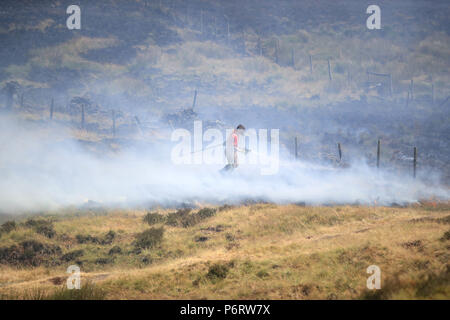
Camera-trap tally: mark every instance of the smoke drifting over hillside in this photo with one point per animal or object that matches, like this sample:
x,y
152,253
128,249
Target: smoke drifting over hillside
x,y
42,170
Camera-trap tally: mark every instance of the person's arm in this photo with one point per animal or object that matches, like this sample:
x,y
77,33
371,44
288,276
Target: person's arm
x,y
236,148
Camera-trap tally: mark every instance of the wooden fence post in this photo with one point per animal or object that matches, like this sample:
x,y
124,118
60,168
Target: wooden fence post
x,y
228,29
114,123
340,151
329,70
51,110
310,64
293,57
259,46
276,50
432,92
201,21
415,162
138,123
82,115
390,84
296,150
378,153
195,99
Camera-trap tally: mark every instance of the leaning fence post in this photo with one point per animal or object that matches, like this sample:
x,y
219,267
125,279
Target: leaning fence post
x,y
340,151
201,21
277,44
195,99
228,29
378,153
51,110
415,162
390,84
260,46
82,115
293,57
114,123
329,70
432,91
138,123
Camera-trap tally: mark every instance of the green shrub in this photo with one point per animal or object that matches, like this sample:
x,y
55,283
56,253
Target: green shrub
x,y
153,218
46,230
149,238
106,239
174,218
43,227
86,239
206,213
217,271
446,236
109,237
31,253
104,261
230,237
262,274
72,255
225,207
114,250
183,218
147,260
189,220
7,227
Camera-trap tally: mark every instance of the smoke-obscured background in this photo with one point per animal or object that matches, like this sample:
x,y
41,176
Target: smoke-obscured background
x,y
87,114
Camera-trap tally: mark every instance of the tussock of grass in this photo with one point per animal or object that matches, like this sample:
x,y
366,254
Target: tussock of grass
x,y
446,236
183,217
88,291
30,253
149,238
43,227
153,218
7,227
217,271
106,239
72,255
115,250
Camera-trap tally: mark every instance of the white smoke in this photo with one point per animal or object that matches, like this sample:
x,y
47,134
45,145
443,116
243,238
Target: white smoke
x,y
43,168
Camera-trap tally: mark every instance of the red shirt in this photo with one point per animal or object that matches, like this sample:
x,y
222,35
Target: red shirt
x,y
235,139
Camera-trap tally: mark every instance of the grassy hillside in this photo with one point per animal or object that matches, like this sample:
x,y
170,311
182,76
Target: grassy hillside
x,y
153,54
147,58
256,251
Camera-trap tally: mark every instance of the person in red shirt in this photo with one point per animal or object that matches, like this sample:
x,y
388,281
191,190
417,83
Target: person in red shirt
x,y
232,148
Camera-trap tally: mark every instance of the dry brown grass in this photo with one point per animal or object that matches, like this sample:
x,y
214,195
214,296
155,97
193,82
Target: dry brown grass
x,y
275,252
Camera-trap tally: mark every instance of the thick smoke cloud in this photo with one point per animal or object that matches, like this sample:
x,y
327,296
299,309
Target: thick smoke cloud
x,y
43,168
